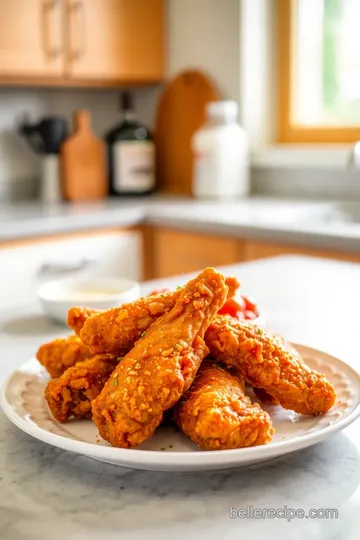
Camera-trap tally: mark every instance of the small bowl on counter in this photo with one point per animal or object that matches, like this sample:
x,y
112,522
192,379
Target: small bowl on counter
x,y
58,296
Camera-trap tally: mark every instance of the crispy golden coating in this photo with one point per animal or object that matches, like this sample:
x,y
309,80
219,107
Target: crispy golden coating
x,y
115,331
216,414
265,362
161,366
72,393
77,316
60,354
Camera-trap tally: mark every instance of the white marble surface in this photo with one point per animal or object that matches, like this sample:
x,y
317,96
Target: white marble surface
x,y
297,222
48,493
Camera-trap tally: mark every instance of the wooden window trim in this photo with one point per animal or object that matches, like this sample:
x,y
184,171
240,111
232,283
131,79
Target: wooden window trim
x,y
288,132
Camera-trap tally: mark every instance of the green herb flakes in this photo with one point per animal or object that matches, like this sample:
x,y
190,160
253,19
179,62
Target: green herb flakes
x,y
143,334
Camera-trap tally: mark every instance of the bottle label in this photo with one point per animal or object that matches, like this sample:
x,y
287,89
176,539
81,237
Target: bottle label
x,y
134,166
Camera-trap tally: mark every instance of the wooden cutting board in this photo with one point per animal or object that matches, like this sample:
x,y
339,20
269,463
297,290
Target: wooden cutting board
x,y
181,111
83,163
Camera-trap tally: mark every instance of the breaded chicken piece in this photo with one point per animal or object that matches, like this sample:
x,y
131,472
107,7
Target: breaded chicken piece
x,y
115,331
60,354
77,316
72,393
265,362
154,375
216,415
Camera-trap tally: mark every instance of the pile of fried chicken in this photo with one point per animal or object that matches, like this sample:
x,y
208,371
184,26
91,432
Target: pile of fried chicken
x,y
125,367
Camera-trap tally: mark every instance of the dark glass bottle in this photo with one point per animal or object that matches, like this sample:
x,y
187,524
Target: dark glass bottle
x,y
131,154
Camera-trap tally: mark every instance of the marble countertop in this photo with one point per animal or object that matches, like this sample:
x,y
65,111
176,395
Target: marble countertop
x,y
47,493
297,222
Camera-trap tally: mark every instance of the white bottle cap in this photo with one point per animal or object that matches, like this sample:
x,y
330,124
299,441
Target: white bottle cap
x,y
222,111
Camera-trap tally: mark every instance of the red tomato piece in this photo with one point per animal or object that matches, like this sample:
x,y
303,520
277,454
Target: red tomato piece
x,y
250,304
158,291
233,306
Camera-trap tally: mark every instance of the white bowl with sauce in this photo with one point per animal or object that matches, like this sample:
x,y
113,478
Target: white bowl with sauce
x,y
58,296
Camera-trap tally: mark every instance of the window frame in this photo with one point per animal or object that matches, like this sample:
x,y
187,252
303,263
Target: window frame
x,y
289,132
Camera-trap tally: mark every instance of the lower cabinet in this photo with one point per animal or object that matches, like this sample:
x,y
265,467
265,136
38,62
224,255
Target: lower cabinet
x,y
177,252
261,250
111,253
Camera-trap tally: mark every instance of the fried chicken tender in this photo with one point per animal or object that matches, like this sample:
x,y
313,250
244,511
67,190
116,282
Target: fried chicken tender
x,y
62,353
115,331
154,375
216,415
265,362
77,316
72,393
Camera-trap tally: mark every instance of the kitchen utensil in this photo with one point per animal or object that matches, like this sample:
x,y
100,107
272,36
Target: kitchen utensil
x,y
45,138
83,162
181,111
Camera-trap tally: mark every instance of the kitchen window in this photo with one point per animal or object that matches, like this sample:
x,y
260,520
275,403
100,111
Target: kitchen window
x,y
319,71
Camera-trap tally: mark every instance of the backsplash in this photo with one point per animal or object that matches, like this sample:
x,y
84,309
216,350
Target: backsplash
x,y
19,166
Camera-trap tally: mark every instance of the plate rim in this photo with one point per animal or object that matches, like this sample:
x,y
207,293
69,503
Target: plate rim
x,y
127,457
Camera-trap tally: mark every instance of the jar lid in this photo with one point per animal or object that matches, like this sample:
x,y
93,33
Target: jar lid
x,y
225,111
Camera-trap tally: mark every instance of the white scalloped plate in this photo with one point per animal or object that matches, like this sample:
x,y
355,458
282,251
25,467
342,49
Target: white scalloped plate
x,y
22,399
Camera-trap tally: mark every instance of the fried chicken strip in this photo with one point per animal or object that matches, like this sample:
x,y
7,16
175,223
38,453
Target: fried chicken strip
x,y
216,415
154,375
72,393
115,331
77,316
59,354
265,362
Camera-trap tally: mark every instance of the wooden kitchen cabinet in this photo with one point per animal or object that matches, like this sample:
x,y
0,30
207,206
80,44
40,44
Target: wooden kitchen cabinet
x,y
115,40
177,252
81,42
31,38
261,250
111,252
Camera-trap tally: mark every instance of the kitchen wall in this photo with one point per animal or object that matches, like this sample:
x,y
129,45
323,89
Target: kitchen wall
x,y
205,34
202,34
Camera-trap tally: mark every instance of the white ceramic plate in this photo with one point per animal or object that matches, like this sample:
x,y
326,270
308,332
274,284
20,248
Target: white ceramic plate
x,y
169,450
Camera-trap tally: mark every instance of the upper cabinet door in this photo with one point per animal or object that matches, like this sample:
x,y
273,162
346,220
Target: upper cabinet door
x,y
31,38
115,40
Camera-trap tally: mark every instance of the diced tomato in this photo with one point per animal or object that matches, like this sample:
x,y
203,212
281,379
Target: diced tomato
x,y
232,306
250,304
158,291
249,315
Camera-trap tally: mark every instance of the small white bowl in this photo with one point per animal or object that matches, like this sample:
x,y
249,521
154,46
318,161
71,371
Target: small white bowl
x,y
57,297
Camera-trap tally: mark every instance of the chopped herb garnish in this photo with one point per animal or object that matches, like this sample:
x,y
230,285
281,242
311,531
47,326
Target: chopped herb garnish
x,y
143,334
120,358
178,287
259,331
115,381
162,295
177,346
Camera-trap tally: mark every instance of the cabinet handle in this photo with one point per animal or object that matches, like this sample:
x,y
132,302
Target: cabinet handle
x,y
59,268
50,8
77,14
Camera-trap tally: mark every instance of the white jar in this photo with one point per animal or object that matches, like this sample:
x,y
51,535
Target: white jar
x,y
221,154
